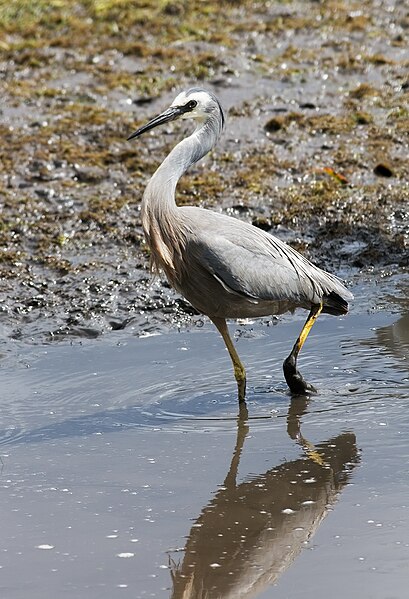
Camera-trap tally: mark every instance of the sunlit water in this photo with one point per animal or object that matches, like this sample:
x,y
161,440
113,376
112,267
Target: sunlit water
x,y
126,472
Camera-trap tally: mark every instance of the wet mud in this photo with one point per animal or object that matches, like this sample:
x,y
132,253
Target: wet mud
x,y
125,470
315,150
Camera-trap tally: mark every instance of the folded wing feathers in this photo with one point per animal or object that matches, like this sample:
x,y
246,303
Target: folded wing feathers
x,y
261,266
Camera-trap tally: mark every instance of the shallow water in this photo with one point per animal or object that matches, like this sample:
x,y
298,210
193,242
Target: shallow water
x,y
126,472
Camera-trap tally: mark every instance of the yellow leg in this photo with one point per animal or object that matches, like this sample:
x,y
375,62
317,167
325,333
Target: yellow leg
x,y
239,370
311,451
312,317
293,377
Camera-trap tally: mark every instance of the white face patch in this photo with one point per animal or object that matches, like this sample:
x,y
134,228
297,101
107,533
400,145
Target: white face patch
x,y
204,101
180,99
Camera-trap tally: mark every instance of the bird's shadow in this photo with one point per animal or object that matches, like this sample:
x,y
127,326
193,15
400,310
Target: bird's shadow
x,y
251,531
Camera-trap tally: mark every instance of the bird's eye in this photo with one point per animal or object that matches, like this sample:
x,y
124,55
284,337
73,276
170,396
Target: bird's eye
x,y
191,104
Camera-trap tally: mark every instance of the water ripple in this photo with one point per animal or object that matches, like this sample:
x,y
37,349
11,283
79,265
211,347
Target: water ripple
x,y
103,387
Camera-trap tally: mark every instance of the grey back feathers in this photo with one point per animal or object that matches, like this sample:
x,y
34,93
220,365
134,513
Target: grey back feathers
x,y
225,267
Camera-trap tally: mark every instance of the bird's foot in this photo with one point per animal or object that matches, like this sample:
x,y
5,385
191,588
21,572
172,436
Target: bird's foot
x,y
298,385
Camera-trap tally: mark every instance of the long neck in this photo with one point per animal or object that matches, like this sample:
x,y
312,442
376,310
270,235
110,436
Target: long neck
x,y
159,196
161,222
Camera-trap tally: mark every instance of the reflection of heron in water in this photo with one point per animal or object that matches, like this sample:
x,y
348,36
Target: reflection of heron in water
x,y
251,532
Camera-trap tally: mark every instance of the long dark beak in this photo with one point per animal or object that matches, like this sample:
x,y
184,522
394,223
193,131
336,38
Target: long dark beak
x,y
170,114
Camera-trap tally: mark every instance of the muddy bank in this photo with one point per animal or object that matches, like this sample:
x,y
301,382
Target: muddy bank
x,y
315,150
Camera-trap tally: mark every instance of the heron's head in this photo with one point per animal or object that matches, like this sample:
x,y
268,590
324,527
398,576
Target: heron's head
x,y
195,103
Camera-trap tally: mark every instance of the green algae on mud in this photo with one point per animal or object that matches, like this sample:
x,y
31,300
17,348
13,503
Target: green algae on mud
x,y
309,89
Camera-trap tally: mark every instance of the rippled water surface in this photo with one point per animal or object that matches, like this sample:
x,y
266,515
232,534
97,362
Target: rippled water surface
x,y
127,473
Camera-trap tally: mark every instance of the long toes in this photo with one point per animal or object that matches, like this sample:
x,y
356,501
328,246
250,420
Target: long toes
x,y
297,384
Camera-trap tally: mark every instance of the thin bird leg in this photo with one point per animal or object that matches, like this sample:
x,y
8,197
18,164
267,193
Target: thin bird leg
x,y
242,431
298,407
294,379
239,370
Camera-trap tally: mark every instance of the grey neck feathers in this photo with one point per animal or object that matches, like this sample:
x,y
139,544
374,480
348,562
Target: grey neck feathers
x,y
161,220
159,196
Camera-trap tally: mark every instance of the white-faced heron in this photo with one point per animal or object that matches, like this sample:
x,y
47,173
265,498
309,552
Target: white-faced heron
x,y
224,267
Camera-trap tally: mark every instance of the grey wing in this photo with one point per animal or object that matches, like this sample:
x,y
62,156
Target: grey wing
x,y
250,262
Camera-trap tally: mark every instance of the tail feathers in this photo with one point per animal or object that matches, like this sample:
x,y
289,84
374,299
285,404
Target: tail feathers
x,y
334,304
